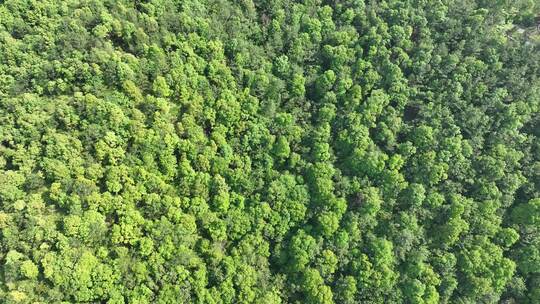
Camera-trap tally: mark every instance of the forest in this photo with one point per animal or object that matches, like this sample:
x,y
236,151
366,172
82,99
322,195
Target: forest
x,y
270,151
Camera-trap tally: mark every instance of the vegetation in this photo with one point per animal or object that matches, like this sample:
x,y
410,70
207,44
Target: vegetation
x,y
212,151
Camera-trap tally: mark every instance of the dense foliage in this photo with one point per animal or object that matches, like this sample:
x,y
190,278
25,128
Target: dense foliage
x,y
270,151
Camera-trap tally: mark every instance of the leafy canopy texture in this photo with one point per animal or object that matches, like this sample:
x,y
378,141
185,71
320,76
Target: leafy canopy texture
x,y
257,151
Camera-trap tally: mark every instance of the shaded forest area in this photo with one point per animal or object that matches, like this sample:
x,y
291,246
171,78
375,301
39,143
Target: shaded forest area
x,y
269,151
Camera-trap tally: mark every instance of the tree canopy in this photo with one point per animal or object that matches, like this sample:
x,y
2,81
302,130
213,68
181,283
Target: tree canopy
x,y
212,151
